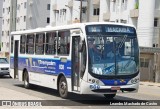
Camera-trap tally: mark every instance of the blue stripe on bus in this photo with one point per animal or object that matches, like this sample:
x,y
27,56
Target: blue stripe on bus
x,y
46,66
113,82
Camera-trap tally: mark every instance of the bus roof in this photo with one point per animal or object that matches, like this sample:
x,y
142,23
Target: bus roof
x,y
75,25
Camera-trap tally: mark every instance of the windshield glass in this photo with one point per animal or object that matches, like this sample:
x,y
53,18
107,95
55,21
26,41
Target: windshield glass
x,y
113,54
3,61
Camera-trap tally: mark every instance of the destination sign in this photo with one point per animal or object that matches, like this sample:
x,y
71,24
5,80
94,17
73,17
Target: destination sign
x,y
94,29
110,30
119,29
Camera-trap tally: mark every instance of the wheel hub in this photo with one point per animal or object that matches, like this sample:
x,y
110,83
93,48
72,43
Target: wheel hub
x,y
63,87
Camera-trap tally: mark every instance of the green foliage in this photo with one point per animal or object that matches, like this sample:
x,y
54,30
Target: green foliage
x,y
137,5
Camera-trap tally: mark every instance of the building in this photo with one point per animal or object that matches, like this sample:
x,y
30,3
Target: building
x,y
67,12
32,14
6,24
144,15
1,5
20,15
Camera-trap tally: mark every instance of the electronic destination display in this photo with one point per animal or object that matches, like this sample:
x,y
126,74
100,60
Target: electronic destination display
x,y
110,30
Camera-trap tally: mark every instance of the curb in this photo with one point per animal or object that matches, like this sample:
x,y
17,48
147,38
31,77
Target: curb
x,y
148,84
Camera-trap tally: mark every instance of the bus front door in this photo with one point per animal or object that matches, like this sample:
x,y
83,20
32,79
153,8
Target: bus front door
x,y
75,63
16,46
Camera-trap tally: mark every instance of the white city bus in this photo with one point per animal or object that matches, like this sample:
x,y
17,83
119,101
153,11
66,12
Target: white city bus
x,y
83,58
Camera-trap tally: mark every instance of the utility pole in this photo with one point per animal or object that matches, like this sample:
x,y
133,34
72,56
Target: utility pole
x,y
80,11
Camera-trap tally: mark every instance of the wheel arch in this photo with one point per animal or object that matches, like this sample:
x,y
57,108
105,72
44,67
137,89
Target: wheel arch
x,y
58,79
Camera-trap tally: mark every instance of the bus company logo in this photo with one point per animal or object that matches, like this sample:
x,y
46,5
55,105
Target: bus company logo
x,y
115,82
48,63
61,67
15,103
122,81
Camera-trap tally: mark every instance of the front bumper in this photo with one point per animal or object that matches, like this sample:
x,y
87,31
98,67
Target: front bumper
x,y
89,88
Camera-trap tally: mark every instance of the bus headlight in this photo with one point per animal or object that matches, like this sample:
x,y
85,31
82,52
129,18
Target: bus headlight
x,y
97,81
93,80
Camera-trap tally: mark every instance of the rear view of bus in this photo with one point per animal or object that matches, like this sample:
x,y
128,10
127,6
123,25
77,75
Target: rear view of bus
x,y
113,59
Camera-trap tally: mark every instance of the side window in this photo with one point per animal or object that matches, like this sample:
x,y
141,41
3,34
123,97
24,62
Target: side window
x,y
50,43
63,42
30,44
23,44
12,46
39,49
128,47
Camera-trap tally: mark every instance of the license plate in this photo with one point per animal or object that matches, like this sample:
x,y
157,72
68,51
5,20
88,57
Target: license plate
x,y
115,88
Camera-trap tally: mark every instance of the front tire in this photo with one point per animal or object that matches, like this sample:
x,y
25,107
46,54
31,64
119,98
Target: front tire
x,y
26,80
1,76
63,87
110,96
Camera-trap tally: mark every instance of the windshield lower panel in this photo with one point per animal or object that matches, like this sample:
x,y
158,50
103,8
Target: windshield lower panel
x,y
113,55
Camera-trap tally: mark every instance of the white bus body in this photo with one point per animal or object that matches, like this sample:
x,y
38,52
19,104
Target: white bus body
x,y
60,58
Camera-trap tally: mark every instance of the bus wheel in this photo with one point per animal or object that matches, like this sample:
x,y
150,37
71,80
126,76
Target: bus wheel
x,y
62,87
110,96
26,80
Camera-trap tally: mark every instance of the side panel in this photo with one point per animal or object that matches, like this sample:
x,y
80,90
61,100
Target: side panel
x,y
44,72
42,65
16,51
49,81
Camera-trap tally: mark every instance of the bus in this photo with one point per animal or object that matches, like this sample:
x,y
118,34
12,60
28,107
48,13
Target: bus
x,y
81,58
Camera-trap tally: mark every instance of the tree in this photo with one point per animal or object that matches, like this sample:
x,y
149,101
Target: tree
x,y
137,4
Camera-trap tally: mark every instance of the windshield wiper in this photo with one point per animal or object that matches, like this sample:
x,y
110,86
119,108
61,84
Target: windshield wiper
x,y
122,42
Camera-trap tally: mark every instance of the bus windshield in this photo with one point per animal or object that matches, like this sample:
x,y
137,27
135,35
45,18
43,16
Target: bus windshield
x,y
110,53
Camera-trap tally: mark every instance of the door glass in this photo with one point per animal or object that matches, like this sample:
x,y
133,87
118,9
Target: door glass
x,y
75,62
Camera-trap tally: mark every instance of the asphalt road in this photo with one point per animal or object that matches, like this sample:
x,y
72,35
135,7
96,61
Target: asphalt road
x,y
145,93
